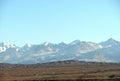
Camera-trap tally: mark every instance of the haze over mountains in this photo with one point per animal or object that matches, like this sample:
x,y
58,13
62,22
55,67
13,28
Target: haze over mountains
x,y
107,51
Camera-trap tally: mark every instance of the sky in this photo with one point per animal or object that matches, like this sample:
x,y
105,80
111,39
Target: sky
x,y
55,21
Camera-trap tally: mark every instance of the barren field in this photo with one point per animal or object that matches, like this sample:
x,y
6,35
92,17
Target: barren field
x,y
63,70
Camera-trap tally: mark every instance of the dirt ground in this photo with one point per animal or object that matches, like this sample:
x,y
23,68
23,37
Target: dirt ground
x,y
61,71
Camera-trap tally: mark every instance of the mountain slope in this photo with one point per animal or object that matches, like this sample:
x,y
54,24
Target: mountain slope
x,y
107,51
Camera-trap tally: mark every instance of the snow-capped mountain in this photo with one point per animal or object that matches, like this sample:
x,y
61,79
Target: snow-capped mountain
x,y
110,43
5,46
107,51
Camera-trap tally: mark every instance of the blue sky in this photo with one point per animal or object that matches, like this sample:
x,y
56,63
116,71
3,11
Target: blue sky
x,y
38,21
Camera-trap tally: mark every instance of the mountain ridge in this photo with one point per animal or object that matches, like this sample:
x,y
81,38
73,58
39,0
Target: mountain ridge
x,y
106,51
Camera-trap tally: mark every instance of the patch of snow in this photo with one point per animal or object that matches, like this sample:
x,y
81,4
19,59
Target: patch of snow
x,y
8,45
29,45
42,57
17,49
46,43
77,55
5,58
49,49
2,49
100,46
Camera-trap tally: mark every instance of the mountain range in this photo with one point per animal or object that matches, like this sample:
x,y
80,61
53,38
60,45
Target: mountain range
x,y
107,51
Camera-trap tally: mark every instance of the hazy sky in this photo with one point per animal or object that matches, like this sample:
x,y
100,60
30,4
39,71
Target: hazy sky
x,y
38,21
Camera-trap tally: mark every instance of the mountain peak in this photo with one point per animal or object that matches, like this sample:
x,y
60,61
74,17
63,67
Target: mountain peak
x,y
6,44
111,40
107,51
27,45
62,43
75,42
47,44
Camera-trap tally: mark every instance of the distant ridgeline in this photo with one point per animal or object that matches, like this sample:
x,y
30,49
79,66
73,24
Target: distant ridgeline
x,y
107,51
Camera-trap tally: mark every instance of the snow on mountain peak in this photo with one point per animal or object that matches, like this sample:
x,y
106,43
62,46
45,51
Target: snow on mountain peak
x,y
5,46
2,49
28,45
46,52
46,43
